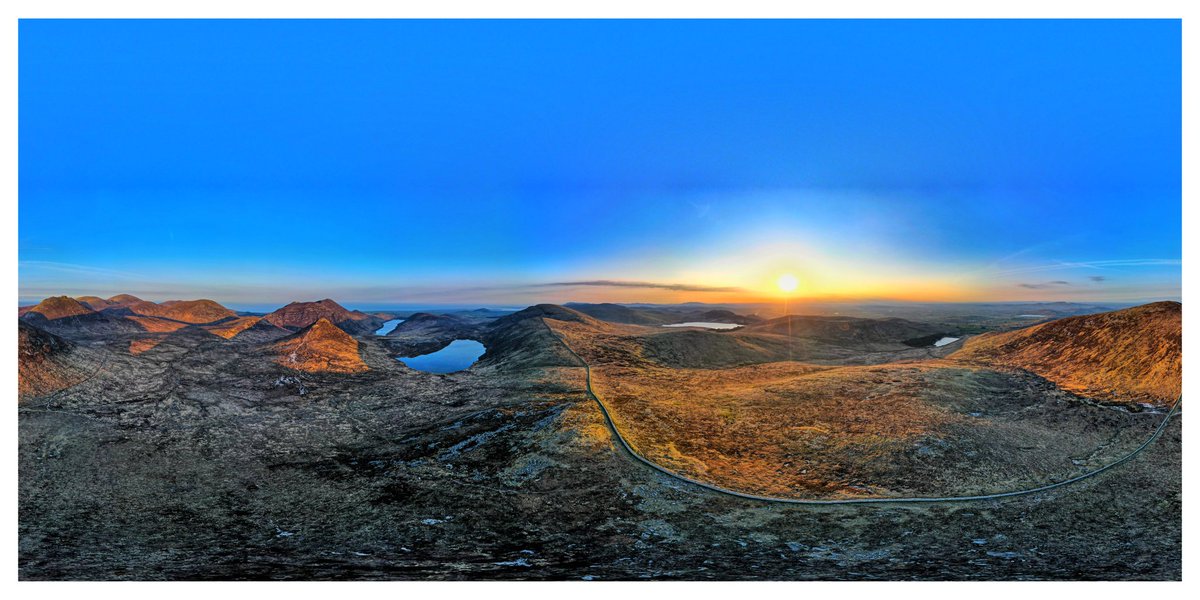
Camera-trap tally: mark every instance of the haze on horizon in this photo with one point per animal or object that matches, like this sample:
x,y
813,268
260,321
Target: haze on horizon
x,y
392,162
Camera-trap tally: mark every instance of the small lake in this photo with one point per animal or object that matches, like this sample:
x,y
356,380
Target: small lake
x,y
944,341
459,355
388,326
1032,317
705,325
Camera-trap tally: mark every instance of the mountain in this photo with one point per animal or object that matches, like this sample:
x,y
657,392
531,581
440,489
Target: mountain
x,y
522,339
845,330
95,302
185,311
46,363
1129,355
617,313
298,315
426,324
59,307
320,348
123,300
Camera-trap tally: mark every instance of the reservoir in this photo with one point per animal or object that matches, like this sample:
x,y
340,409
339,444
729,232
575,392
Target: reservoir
x,y
705,325
388,326
944,341
459,355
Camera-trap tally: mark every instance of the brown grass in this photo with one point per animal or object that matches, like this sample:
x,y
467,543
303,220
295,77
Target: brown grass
x,y
323,347
157,325
1128,355
141,345
229,329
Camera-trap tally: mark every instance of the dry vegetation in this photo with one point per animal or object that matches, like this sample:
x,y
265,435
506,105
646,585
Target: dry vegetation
x,y
931,427
229,329
1126,355
157,325
322,347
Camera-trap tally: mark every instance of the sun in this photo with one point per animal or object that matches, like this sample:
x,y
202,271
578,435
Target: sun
x,y
787,282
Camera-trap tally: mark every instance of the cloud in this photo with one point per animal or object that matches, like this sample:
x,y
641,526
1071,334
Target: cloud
x,y
74,269
1042,286
1095,265
1097,278
677,287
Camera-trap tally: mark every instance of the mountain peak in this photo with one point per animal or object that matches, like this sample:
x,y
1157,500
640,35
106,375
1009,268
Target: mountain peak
x,y
58,307
298,315
320,348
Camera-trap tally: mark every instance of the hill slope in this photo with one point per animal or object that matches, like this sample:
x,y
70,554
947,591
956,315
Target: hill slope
x,y
298,315
45,362
320,348
1133,354
59,307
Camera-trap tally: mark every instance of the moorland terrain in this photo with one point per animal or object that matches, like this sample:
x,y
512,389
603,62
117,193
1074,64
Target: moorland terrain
x,y
185,440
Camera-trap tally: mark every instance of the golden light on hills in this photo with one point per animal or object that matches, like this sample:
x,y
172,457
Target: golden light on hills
x,y
321,348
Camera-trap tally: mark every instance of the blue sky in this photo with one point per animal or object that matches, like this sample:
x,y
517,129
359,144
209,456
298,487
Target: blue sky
x,y
492,162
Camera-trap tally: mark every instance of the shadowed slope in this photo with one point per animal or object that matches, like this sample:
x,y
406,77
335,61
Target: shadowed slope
x,y
1131,354
320,348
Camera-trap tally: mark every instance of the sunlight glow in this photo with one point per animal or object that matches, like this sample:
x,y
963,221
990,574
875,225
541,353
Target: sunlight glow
x,y
787,282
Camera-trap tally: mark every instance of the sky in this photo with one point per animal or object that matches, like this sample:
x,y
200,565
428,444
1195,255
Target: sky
x,y
513,162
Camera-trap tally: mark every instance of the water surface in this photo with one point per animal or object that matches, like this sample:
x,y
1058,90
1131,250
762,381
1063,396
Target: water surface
x,y
388,326
944,341
459,355
705,325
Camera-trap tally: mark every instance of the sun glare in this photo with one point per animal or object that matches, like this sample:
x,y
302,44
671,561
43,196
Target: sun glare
x,y
787,282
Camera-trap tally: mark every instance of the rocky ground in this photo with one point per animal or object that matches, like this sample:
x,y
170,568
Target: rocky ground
x,y
201,458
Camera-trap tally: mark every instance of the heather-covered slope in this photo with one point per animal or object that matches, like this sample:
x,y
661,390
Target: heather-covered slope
x,y
321,347
1133,354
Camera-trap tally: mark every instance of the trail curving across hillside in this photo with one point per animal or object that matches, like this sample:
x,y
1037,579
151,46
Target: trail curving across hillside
x,y
612,427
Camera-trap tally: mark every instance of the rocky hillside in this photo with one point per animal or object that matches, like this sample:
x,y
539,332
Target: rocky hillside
x,y
46,363
320,348
298,315
1130,355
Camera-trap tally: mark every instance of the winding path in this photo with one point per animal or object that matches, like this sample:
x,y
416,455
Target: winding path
x,y
916,500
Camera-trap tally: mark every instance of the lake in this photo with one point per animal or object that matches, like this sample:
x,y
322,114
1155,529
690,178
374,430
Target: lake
x,y
705,325
459,355
944,341
388,326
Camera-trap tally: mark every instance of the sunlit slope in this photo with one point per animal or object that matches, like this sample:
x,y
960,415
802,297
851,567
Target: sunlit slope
x,y
823,431
320,347
46,363
1127,355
